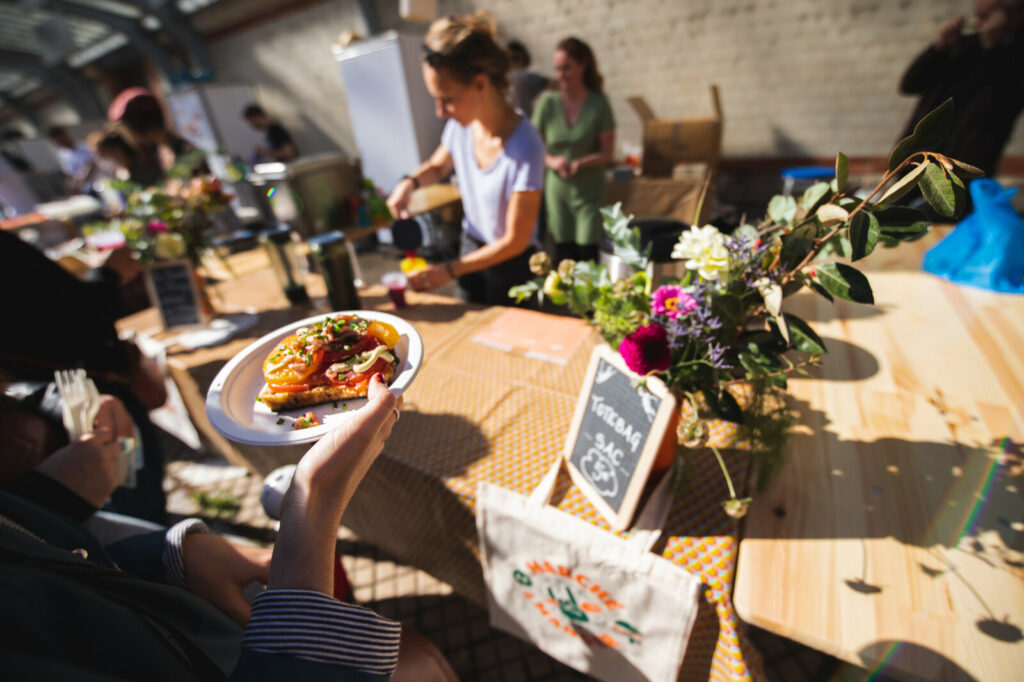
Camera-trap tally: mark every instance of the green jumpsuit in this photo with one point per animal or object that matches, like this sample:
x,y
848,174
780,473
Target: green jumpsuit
x,y
573,205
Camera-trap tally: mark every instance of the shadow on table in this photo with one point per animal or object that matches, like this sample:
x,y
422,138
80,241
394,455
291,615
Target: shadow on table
x,y
843,362
951,482
894,656
957,498
417,312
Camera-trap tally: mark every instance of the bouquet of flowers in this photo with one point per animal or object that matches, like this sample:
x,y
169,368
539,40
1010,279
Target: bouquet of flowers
x,y
165,223
722,323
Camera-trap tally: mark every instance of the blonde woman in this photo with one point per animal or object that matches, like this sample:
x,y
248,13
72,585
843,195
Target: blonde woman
x,y
495,152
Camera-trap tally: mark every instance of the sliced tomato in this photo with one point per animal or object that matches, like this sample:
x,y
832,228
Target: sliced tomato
x,y
288,374
383,332
289,388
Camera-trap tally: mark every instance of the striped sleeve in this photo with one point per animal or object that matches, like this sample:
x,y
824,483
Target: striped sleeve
x,y
311,625
174,565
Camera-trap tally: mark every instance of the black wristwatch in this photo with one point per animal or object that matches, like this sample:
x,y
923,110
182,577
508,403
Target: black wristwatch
x,y
415,182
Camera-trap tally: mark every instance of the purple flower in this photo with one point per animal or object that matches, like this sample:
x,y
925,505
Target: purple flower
x,y
672,301
646,349
155,226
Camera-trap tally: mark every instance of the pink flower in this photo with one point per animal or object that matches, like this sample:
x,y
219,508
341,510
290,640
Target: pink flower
x,y
646,349
672,301
155,226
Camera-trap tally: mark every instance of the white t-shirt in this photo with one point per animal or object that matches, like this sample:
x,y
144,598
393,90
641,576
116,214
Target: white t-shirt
x,y
486,193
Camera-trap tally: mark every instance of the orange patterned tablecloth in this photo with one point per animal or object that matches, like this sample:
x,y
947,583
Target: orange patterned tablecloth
x,y
476,413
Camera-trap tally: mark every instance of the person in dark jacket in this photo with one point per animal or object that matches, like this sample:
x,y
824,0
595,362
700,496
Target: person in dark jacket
x,y
983,71
72,613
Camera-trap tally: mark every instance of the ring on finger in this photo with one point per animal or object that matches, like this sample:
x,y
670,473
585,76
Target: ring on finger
x,y
397,414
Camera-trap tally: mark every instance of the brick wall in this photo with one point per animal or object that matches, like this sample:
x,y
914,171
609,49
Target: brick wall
x,y
797,77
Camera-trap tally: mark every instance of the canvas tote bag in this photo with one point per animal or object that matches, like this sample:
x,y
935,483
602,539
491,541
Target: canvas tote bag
x,y
601,604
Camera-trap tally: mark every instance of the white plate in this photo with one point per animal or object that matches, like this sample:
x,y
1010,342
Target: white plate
x,y
231,403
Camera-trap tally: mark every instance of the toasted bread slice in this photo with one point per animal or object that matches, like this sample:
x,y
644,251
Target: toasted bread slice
x,y
317,394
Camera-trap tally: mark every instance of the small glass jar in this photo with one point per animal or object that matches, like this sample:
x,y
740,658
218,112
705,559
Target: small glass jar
x,y
281,246
334,262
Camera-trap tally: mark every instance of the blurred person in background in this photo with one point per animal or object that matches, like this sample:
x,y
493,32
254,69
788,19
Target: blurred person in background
x,y
496,154
980,64
76,161
578,128
524,85
157,149
279,143
115,155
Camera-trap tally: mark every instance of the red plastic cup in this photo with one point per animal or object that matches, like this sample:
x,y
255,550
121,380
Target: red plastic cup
x,y
395,283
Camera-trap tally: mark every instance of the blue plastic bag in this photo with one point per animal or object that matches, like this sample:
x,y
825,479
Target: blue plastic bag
x,y
986,249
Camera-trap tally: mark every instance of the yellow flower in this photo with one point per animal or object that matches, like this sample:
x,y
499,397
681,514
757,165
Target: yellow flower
x,y
169,245
704,250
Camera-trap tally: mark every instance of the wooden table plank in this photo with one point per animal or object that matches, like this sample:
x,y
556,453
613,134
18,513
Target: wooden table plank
x,y
894,536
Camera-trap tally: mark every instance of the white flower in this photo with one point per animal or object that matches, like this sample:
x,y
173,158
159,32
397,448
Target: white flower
x,y
169,245
704,250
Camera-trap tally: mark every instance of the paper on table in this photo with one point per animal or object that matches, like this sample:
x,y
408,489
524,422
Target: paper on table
x,y
540,336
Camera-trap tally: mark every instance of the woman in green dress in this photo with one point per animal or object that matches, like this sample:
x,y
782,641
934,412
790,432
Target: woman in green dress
x,y
578,128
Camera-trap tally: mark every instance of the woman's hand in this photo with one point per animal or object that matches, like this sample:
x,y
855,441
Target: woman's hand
x,y
324,482
219,571
398,202
434,277
89,467
113,417
559,164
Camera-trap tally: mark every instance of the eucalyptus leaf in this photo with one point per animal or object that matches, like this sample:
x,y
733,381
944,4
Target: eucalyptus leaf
x,y
626,240
845,282
967,170
928,134
820,289
727,408
728,309
747,233
804,338
864,233
842,171
814,196
799,242
830,214
903,185
937,189
901,218
959,194
782,209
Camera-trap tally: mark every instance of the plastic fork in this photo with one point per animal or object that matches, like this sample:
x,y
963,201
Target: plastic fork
x,y
80,401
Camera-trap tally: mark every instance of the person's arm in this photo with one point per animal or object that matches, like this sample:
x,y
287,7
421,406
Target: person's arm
x,y
286,152
288,620
932,65
603,157
520,219
433,170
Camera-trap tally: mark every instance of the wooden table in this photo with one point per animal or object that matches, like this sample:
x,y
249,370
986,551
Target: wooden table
x,y
894,537
476,413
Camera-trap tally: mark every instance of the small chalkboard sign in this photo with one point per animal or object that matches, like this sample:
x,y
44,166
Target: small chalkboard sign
x,y
172,288
615,434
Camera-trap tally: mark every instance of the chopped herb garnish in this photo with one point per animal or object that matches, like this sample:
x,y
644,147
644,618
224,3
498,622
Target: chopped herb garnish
x,y
280,420
344,407
257,398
